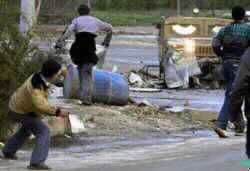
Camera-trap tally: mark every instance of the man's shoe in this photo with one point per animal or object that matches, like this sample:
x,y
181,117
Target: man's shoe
x,y
239,130
9,156
237,134
40,166
221,132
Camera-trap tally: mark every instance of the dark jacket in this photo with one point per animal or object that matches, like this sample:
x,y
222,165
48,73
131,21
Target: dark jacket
x,y
83,50
232,41
241,87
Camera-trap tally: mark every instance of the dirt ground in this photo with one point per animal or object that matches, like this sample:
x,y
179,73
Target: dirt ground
x,y
134,120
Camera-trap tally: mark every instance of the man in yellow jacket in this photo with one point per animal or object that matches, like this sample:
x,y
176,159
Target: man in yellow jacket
x,y
27,106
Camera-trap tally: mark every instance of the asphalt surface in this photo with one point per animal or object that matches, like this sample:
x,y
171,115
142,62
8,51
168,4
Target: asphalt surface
x,y
131,53
207,154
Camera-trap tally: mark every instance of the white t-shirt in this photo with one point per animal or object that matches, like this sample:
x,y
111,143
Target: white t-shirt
x,y
86,23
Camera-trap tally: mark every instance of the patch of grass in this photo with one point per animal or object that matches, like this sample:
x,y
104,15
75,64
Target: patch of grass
x,y
115,17
129,18
126,17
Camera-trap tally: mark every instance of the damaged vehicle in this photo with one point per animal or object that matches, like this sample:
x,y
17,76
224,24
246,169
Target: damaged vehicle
x,y
185,53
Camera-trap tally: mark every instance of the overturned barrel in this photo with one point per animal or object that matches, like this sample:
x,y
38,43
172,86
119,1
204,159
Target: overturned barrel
x,y
108,87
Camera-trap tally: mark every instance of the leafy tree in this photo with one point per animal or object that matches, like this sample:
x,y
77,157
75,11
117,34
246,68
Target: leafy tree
x,y
16,63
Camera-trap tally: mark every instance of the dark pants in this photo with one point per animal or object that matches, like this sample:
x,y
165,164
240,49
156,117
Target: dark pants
x,y
230,69
29,125
247,113
248,138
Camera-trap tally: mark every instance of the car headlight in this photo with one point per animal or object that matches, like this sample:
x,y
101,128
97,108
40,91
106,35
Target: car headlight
x,y
189,45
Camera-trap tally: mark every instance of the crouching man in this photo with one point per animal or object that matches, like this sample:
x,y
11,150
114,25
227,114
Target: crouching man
x,y
27,106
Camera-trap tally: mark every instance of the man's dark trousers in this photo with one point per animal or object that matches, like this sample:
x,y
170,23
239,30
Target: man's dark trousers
x,y
247,112
248,138
230,69
30,124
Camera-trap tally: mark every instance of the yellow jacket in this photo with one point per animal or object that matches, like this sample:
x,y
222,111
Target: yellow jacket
x,y
30,99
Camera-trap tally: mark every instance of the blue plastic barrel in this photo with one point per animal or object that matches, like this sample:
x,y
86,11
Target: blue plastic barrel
x,y
109,88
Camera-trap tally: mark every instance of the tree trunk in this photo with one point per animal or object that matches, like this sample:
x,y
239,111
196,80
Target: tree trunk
x,y
28,16
38,7
89,3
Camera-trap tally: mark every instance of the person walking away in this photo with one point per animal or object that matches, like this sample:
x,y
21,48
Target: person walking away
x,y
230,43
83,50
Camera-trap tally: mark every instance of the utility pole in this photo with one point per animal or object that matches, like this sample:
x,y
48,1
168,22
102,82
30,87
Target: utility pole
x,y
89,3
178,7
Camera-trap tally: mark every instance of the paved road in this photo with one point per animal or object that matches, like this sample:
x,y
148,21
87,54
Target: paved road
x,y
189,156
206,154
132,52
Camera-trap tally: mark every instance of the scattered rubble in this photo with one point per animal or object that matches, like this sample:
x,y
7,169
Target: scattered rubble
x,y
146,81
176,109
151,90
142,79
115,68
141,118
144,103
76,124
135,80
